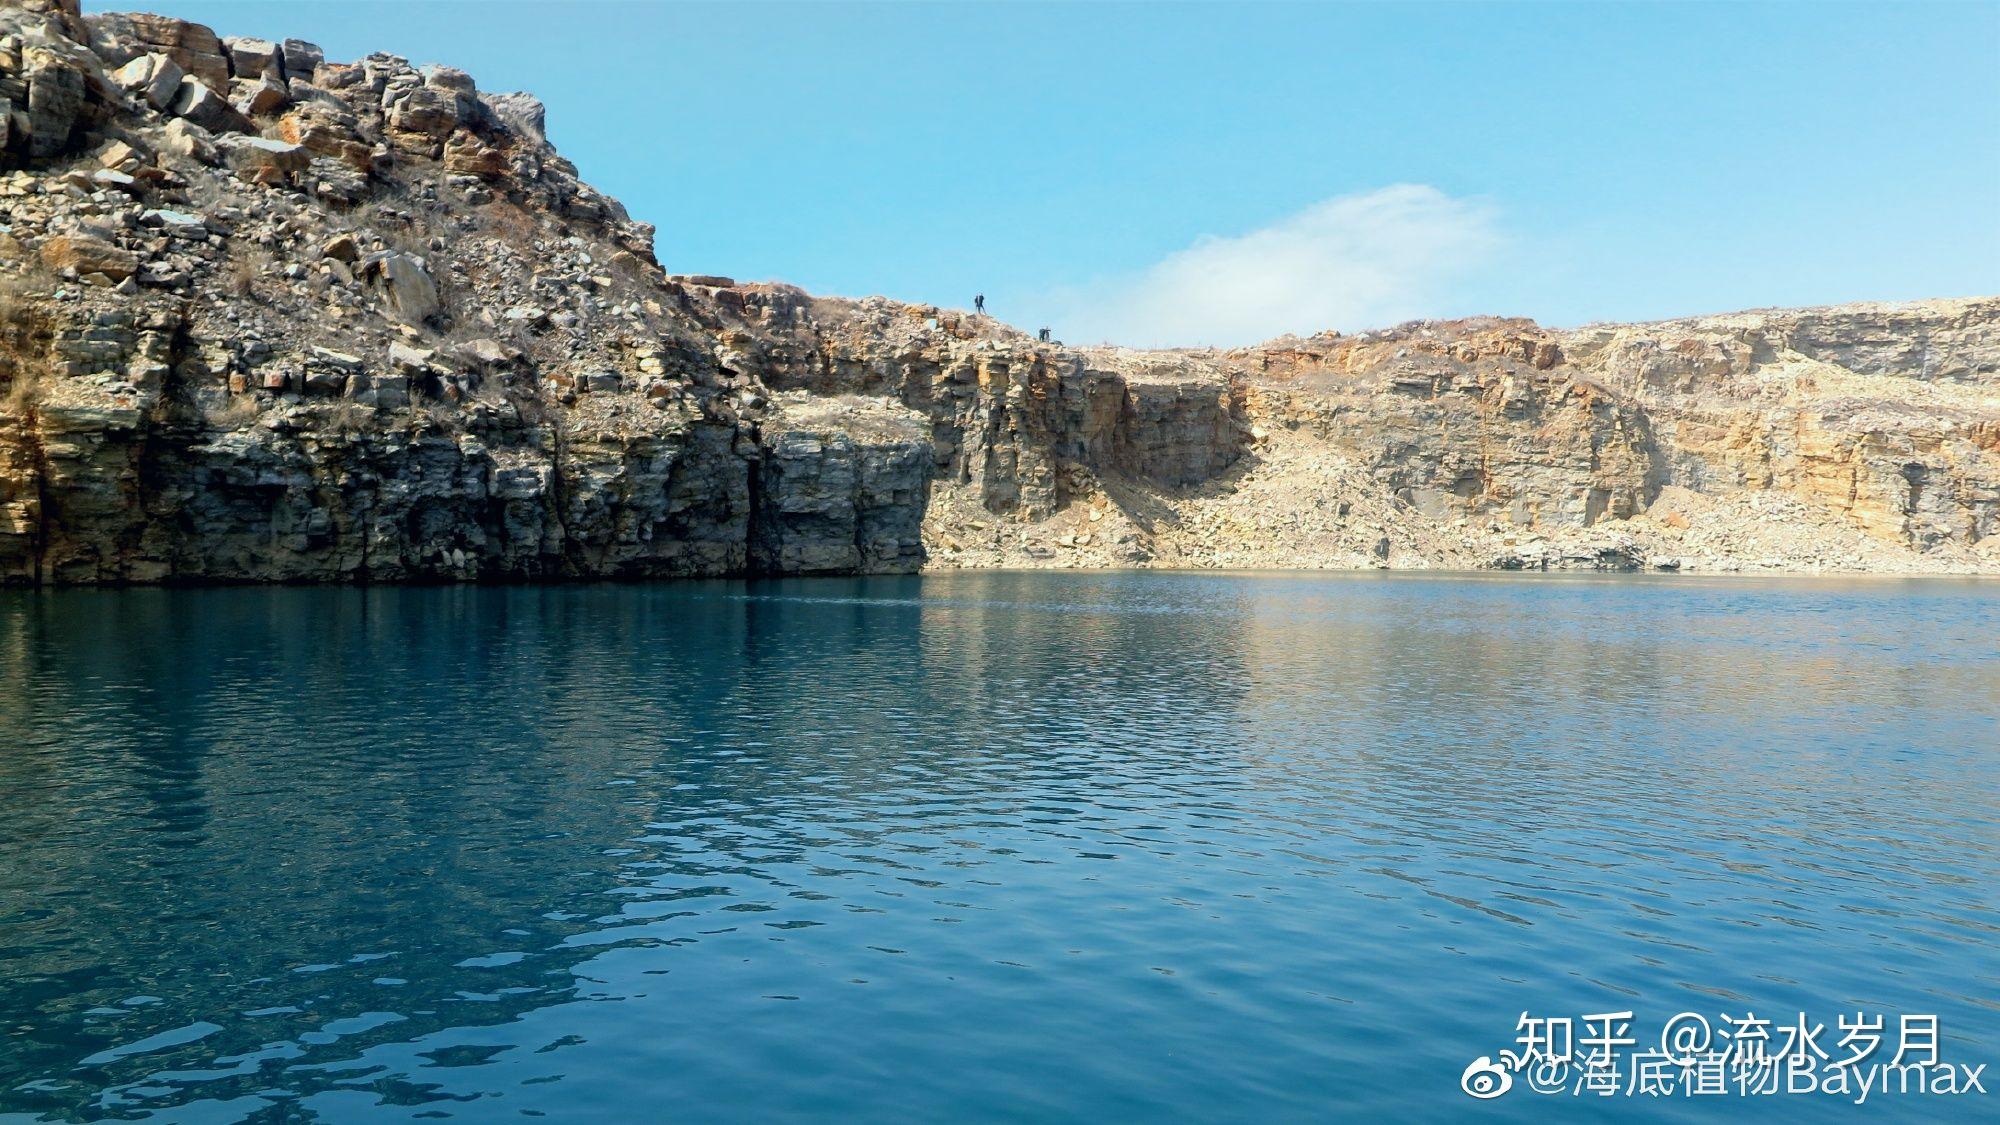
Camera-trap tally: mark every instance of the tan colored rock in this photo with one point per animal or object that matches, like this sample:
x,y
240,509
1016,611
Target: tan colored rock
x,y
467,155
342,247
120,155
190,140
260,160
326,134
424,117
154,77
260,98
194,47
410,288
86,255
254,58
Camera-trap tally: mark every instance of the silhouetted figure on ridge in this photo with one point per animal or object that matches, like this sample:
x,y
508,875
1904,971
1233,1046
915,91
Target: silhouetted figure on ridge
x,y
979,304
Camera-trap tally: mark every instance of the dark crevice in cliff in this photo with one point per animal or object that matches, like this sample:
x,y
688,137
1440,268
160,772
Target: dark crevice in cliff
x,y
26,333
1659,471
38,467
159,449
572,561
756,556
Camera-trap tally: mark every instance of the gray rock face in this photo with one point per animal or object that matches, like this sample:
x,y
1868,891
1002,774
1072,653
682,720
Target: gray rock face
x,y
382,332
201,105
301,59
54,102
155,77
409,286
254,58
119,37
832,504
52,89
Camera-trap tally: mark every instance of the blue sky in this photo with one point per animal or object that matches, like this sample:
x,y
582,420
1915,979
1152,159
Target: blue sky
x,y
1218,174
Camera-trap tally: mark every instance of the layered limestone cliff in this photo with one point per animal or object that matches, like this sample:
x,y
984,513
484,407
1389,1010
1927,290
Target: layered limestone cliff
x,y
270,317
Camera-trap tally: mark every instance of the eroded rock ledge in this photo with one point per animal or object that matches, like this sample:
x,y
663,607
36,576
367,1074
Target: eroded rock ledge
x,y
269,317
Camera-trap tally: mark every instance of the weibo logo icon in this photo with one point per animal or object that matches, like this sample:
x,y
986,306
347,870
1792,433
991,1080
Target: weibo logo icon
x,y
1485,1079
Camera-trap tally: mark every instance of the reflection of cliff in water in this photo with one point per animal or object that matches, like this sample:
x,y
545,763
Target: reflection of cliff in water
x,y
306,792
362,812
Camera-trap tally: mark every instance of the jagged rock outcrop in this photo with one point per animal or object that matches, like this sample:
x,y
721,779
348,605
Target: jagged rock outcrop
x,y
269,317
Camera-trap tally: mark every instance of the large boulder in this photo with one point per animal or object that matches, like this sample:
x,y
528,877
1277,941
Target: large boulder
x,y
522,114
55,101
184,138
88,255
198,102
119,37
154,78
61,17
260,97
422,117
326,131
407,282
260,160
301,59
52,88
254,58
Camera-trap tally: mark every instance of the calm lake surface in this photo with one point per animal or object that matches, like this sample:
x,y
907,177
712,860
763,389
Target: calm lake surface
x,y
982,847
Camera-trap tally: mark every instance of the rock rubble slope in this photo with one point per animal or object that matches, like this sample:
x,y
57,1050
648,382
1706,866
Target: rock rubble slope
x,y
266,316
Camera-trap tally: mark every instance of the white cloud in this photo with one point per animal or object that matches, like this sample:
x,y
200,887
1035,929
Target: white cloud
x,y
1366,260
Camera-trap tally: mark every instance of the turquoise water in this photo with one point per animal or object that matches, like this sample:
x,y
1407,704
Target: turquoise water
x,y
988,847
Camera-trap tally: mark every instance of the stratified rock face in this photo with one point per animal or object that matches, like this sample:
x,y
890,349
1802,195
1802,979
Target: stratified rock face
x,y
829,504
1780,439
265,317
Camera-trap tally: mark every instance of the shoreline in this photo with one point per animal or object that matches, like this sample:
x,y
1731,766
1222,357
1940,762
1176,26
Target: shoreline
x,y
1551,574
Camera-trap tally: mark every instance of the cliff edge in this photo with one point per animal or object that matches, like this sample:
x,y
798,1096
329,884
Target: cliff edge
x,y
269,317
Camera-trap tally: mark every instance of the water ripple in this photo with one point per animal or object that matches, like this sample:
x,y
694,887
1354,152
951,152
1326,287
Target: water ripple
x,y
969,847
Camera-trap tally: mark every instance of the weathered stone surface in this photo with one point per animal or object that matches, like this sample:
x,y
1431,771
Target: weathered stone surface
x,y
254,58
327,132
199,103
423,117
154,77
467,155
407,360
261,161
844,499
53,90
190,140
434,353
343,247
85,255
54,104
523,114
301,58
408,284
260,98
119,36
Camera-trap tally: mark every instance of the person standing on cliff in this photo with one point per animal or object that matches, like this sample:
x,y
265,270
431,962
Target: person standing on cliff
x,y
979,303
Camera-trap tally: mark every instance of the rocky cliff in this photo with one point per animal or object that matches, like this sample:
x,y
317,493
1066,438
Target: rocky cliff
x,y
270,317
